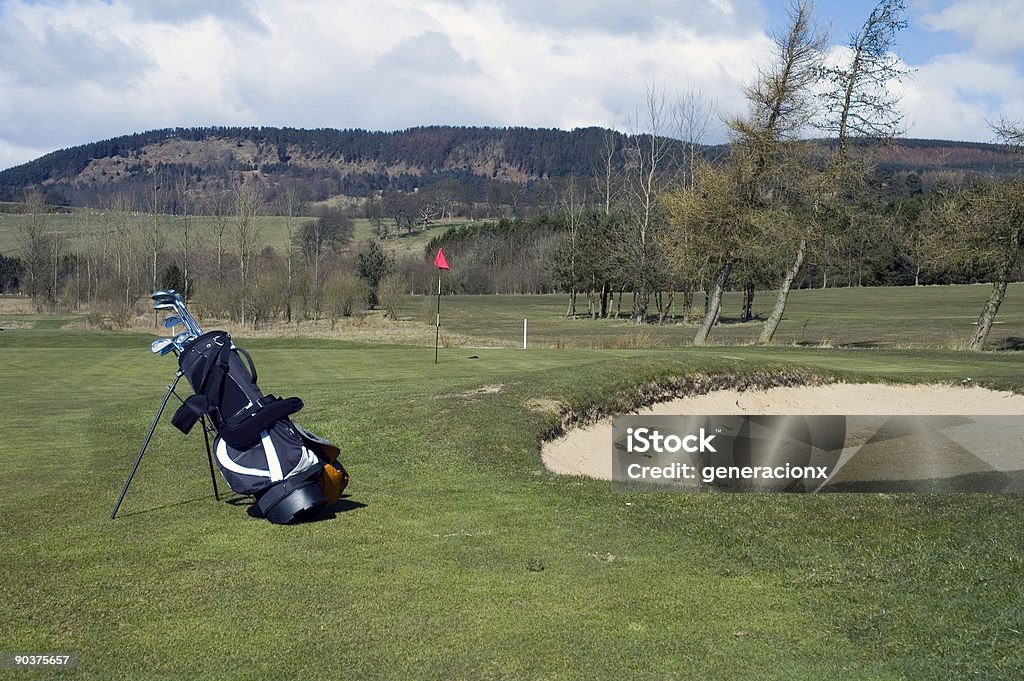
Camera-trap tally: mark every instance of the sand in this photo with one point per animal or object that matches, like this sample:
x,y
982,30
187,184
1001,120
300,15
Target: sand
x,y
587,451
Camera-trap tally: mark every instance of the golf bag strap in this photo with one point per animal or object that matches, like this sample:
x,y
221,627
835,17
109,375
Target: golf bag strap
x,y
190,411
242,429
248,358
216,370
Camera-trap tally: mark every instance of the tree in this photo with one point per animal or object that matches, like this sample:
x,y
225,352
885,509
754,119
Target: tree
x,y
248,206
857,101
708,232
570,254
781,104
125,245
318,240
10,272
372,265
345,294
186,204
290,206
34,247
391,293
153,239
646,176
983,227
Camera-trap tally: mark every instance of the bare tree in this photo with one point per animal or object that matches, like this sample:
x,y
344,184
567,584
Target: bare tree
x,y
572,203
647,175
768,167
126,248
154,239
186,204
248,206
859,100
1010,133
693,113
33,244
290,206
606,173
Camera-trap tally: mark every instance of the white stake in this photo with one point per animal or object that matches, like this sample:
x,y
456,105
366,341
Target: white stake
x,y
524,334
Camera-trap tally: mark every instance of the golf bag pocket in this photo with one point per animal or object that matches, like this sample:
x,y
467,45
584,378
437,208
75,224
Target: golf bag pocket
x,y
333,481
278,455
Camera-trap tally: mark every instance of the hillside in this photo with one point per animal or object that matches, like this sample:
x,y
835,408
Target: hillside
x,y
495,165
324,163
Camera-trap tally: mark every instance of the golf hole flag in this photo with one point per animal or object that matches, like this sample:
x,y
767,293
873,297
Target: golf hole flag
x,y
441,261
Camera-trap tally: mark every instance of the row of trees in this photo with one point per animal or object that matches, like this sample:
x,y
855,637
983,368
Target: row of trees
x,y
775,202
229,271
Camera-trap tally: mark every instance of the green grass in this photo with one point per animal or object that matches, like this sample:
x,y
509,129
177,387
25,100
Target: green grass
x,y
437,572
926,316
76,225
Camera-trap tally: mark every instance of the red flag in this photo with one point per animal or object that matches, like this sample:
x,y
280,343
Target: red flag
x,y
441,261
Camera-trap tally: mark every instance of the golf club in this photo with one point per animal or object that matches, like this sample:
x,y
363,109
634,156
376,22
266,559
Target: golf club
x,y
163,346
173,321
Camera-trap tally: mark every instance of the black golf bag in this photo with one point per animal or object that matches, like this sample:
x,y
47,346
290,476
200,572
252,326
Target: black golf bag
x,y
288,470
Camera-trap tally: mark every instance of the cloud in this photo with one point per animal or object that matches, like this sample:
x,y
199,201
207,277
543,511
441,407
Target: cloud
x,y
40,46
640,17
74,71
184,11
991,26
954,96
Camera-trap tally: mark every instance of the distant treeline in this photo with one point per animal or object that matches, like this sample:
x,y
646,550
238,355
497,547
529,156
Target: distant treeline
x,y
518,168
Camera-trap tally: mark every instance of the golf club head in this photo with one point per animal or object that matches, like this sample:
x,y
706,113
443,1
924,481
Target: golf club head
x,y
182,338
161,346
165,306
164,294
173,321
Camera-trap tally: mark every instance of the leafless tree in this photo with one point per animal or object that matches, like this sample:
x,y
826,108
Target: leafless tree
x,y
646,176
290,206
248,206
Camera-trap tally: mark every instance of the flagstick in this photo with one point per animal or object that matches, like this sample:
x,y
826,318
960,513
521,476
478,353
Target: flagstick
x,y
437,337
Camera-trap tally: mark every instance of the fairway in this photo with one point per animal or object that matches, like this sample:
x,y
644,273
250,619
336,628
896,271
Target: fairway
x,y
853,318
456,554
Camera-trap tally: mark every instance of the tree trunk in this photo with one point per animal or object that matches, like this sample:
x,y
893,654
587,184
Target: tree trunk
x,y
714,303
771,325
687,302
747,313
668,307
988,313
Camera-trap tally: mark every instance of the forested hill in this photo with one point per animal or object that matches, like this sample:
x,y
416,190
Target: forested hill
x,y
502,165
324,162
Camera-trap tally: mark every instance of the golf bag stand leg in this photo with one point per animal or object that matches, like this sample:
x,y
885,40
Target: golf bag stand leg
x,y
207,429
138,460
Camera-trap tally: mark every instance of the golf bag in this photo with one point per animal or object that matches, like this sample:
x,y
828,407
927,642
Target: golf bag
x,y
288,470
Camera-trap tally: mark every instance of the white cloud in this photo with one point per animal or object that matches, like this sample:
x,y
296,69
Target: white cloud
x,y
992,26
954,96
75,71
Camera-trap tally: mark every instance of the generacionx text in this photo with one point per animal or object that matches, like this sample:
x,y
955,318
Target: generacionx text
x,y
644,440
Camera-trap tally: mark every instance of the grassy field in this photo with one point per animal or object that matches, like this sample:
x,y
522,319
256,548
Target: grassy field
x,y
927,316
456,554
74,226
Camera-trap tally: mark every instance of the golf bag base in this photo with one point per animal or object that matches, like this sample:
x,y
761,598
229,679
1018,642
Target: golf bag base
x,y
291,500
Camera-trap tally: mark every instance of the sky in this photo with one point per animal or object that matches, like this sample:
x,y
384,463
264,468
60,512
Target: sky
x,y
78,71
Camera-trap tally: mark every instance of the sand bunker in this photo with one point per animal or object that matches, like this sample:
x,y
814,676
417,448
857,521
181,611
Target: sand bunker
x,y
587,451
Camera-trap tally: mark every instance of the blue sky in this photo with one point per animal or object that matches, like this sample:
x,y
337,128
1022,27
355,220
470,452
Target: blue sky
x,y
75,71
